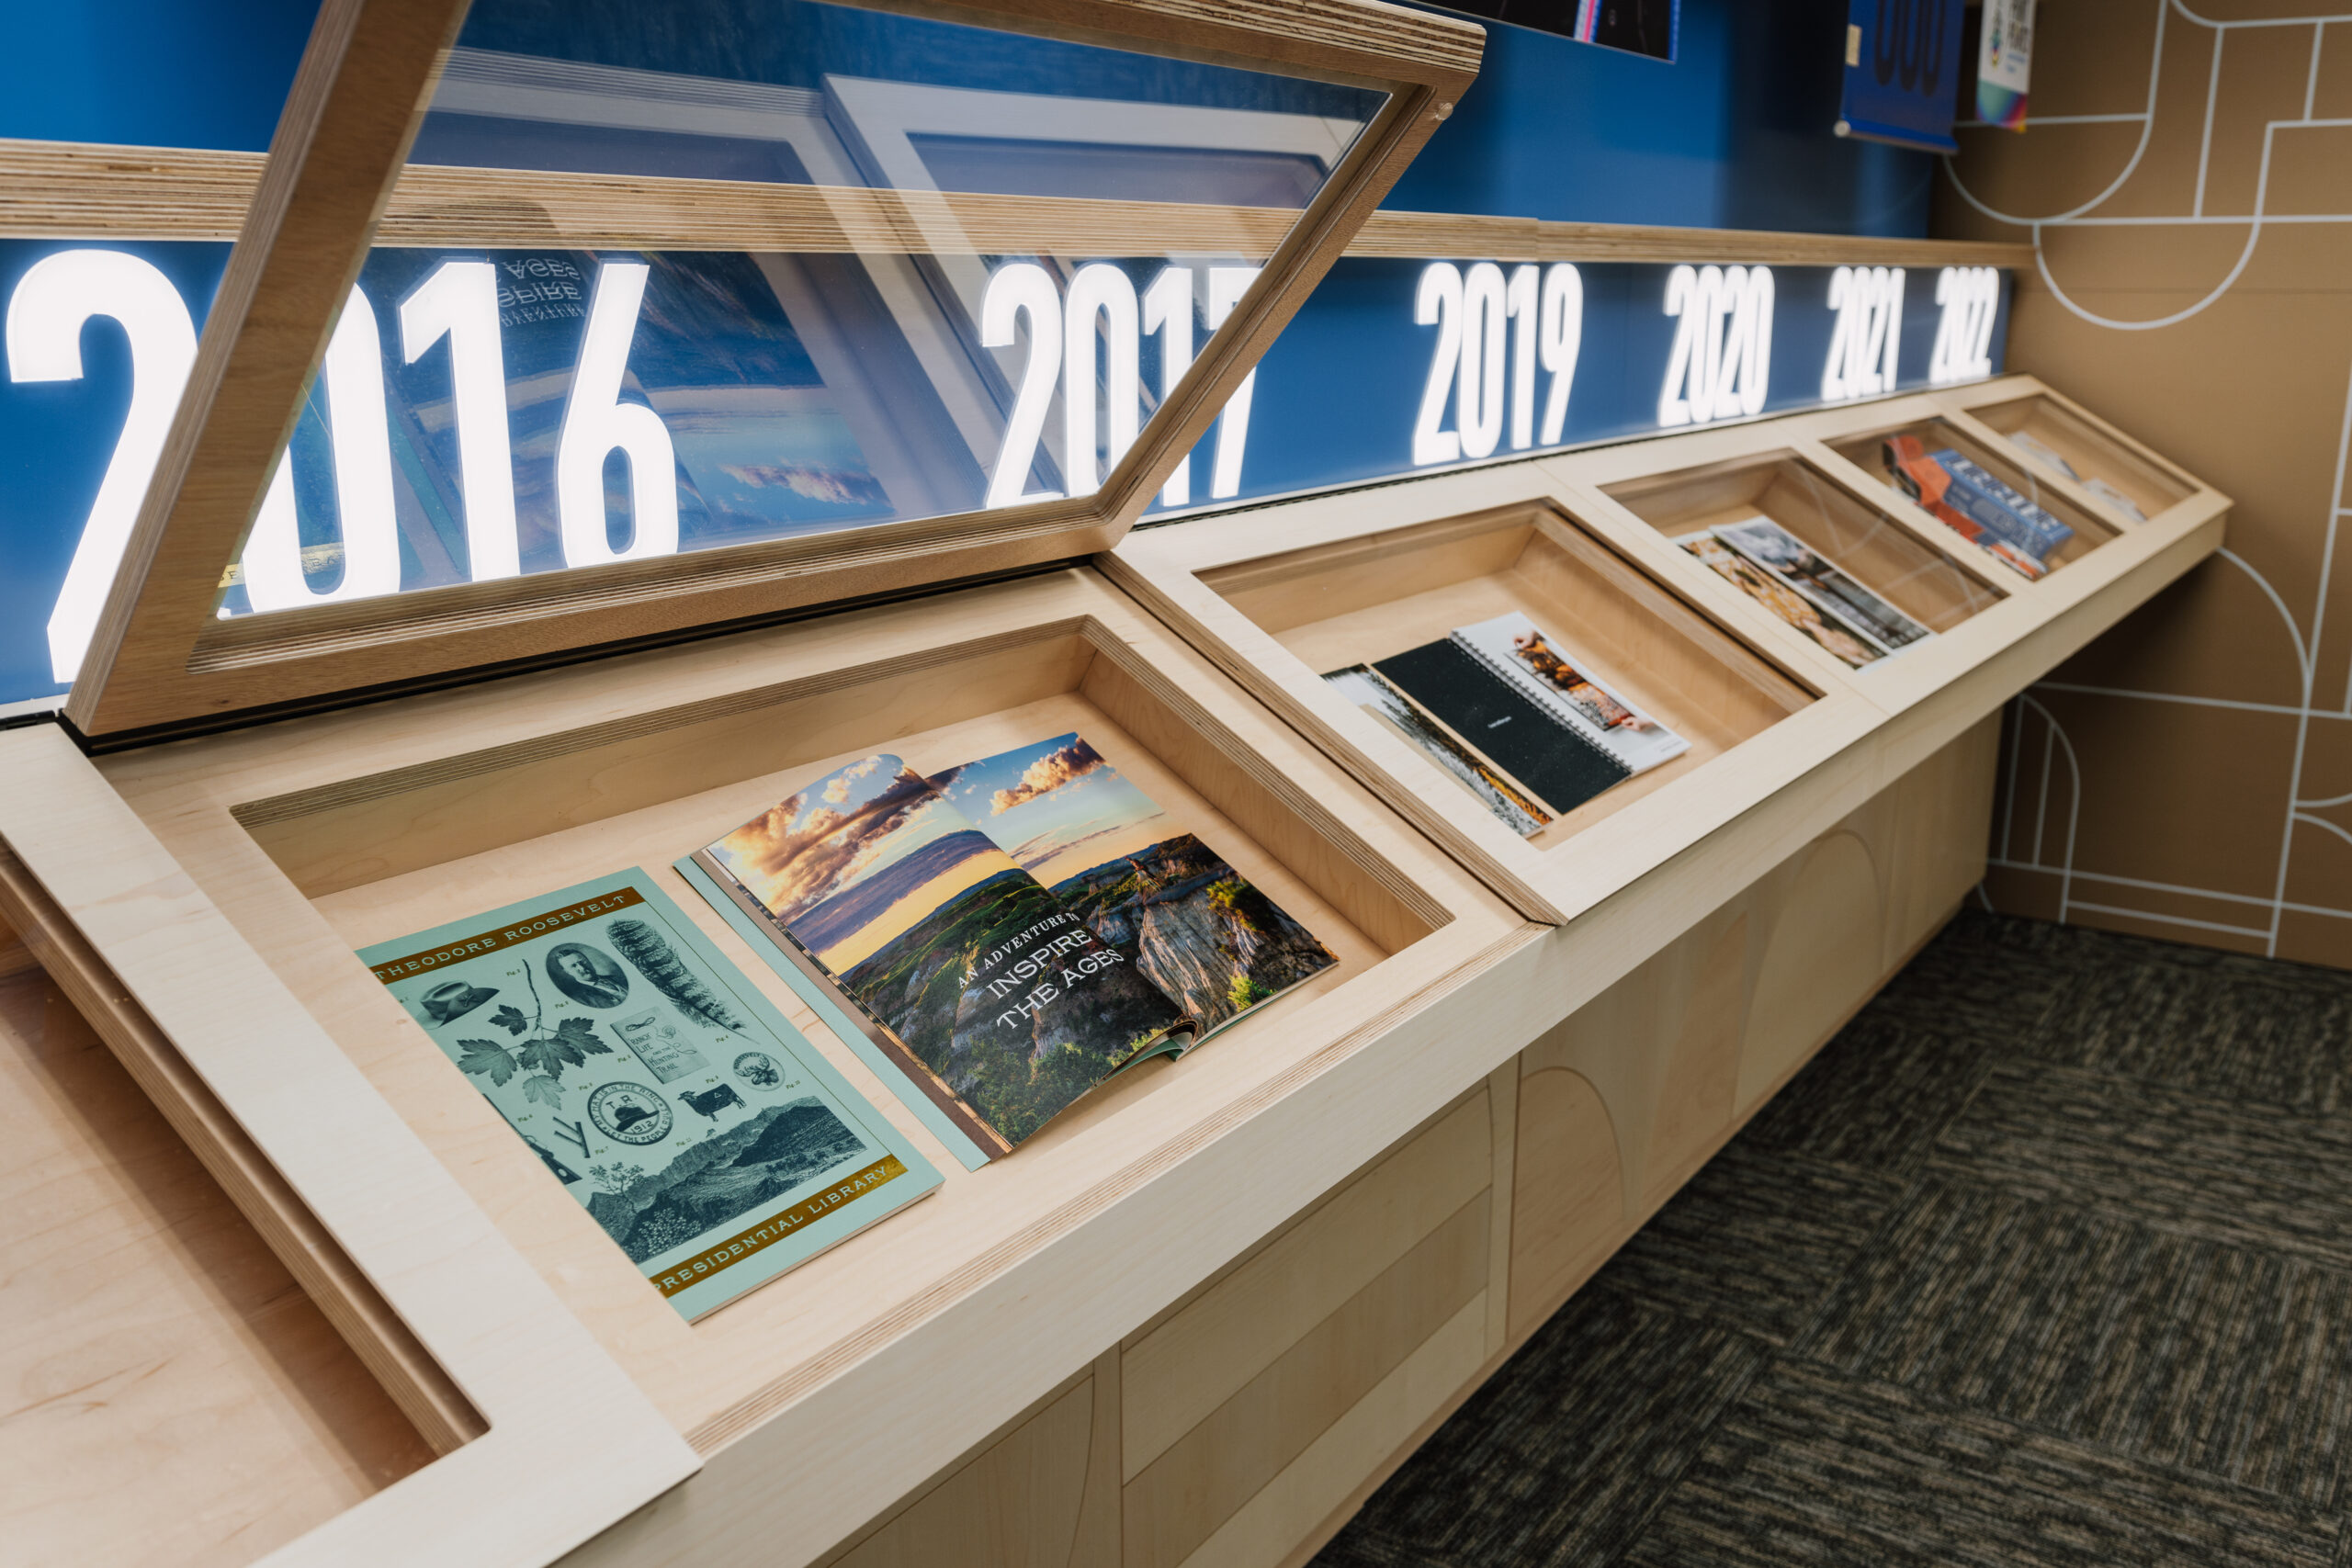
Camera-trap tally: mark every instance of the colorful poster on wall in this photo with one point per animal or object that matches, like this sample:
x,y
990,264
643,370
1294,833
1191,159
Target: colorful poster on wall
x,y
1902,73
1637,27
2004,59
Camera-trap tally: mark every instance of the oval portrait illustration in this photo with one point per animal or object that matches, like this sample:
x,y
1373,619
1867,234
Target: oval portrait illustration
x,y
630,1114
589,977
758,1069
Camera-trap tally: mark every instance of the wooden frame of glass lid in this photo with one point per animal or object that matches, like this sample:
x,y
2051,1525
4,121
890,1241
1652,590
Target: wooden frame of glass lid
x,y
164,659
1786,738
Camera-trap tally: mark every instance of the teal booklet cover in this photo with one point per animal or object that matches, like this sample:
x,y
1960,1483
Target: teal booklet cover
x,y
714,1145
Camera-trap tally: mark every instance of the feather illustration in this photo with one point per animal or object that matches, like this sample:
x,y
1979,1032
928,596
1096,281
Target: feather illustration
x,y
643,946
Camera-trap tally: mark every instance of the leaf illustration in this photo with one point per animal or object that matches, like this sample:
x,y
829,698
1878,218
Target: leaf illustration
x,y
487,1057
510,1018
544,1091
550,1056
581,1035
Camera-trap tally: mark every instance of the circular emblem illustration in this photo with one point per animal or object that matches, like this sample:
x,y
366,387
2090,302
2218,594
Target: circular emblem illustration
x,y
630,1114
758,1069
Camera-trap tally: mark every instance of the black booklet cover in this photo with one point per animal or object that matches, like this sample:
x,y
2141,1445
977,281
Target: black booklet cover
x,y
1535,747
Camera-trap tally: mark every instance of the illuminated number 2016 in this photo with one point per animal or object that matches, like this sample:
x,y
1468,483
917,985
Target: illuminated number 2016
x,y
1971,297
1493,333
56,297
1721,363
1866,342
1089,348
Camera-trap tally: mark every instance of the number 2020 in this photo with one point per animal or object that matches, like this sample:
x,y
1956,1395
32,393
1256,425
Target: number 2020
x,y
1721,363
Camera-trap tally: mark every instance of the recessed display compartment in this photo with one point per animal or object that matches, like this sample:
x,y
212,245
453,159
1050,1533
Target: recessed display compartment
x,y
1947,455
322,835
1552,612
2128,479
1362,603
174,1396
1865,544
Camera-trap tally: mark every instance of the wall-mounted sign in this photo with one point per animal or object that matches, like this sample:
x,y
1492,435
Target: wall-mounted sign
x,y
487,415
1637,27
1903,72
1398,366
2004,63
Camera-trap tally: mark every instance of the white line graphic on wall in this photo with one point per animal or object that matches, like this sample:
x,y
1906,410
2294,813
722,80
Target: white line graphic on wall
x,y
2300,810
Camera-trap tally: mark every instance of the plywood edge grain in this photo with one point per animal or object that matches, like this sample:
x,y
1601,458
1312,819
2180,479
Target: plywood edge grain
x,y
417,1384
474,1306
85,190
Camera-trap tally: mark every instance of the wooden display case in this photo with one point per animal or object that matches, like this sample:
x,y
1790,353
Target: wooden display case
x,y
482,1377
830,1390
1786,738
341,1312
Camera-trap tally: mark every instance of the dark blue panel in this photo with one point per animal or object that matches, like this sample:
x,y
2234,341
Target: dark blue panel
x,y
1903,82
1736,134
150,73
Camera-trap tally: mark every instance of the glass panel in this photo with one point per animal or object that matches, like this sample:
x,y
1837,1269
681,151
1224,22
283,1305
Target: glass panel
x,y
2131,483
1348,608
667,280
1837,570
1933,463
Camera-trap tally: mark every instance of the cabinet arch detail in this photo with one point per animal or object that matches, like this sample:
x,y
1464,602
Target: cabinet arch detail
x,y
1568,1199
1822,961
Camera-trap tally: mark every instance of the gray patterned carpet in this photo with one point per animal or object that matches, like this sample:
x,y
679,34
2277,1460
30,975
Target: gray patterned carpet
x,y
2045,1260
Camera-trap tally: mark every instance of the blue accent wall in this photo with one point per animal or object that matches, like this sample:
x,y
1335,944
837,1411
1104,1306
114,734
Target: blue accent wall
x,y
150,73
1734,134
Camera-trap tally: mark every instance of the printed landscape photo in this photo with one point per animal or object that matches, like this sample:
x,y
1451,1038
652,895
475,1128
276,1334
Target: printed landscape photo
x,y
1173,908
724,1176
937,933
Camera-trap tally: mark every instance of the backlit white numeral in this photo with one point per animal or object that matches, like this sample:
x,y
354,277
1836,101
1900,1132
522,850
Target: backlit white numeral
x,y
1493,333
56,297
1866,341
596,423
353,375
459,302
1721,363
1970,298
1088,347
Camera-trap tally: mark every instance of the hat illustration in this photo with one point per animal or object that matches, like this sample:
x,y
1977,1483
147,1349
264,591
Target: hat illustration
x,y
453,999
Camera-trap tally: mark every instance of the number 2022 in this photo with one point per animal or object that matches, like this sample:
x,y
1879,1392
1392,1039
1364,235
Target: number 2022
x,y
1971,297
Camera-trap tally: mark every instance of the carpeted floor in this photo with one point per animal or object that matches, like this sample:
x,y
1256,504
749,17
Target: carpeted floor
x,y
2045,1260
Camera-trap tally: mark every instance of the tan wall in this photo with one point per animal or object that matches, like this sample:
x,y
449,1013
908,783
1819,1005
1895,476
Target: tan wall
x,y
2189,775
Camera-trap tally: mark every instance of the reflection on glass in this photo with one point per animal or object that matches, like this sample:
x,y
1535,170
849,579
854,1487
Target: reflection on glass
x,y
943,232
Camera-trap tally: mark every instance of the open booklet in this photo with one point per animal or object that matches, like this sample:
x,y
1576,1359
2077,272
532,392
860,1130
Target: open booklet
x,y
1012,931
1529,730
1805,589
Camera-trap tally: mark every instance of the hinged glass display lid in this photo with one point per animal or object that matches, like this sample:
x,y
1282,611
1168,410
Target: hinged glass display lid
x,y
554,328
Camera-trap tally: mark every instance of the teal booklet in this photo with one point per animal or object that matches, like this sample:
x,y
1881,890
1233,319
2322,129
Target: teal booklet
x,y
700,1129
